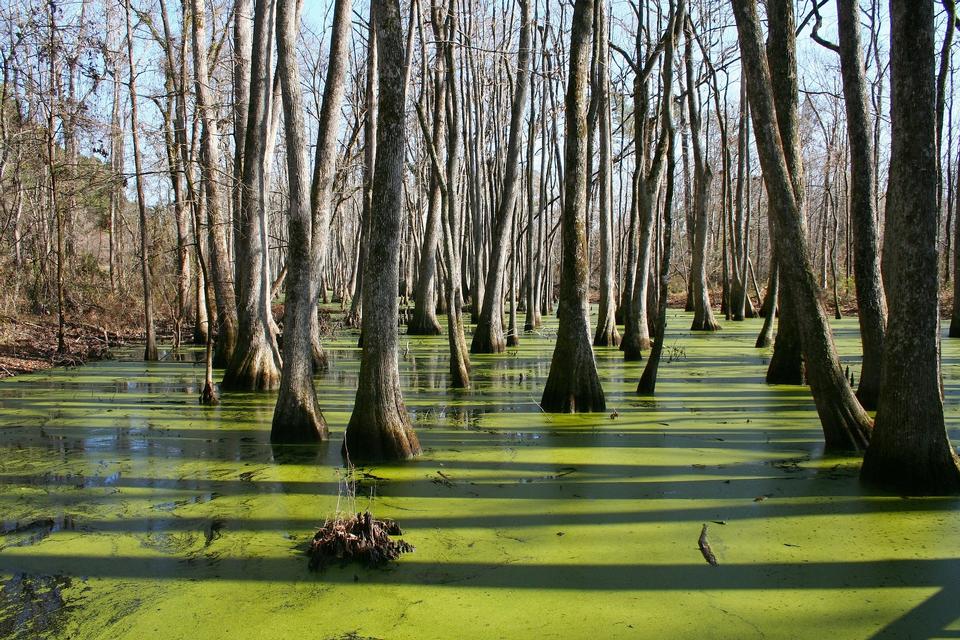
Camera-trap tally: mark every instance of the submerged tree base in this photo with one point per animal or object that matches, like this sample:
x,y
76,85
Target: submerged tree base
x,y
896,471
254,370
607,337
298,419
576,391
633,347
424,326
358,538
705,324
487,339
208,396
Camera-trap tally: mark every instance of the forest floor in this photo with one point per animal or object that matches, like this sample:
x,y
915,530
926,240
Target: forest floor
x,y
28,343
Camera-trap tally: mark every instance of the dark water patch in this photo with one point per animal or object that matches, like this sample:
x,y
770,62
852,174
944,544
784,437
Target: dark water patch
x,y
33,606
173,505
299,454
171,542
23,534
195,356
213,530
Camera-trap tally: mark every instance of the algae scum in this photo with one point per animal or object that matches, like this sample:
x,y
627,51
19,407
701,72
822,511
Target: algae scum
x,y
129,511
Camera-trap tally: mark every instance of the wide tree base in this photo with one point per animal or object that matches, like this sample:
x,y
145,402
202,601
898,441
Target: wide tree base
x,y
573,387
208,396
868,394
297,419
607,338
256,372
563,399
705,324
318,356
903,472
424,327
846,426
633,347
954,328
486,340
785,370
765,337
373,437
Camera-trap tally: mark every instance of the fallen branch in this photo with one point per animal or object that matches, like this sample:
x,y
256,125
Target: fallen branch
x,y
705,548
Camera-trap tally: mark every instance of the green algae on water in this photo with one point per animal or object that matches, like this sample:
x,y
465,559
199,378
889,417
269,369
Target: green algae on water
x,y
172,520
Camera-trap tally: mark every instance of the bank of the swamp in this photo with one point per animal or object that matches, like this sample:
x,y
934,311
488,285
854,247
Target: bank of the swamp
x,y
30,343
130,511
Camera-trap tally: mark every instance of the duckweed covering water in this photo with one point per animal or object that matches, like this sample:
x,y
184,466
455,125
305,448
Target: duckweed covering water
x,y
129,511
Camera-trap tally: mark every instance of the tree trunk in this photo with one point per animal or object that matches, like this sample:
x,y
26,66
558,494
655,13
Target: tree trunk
x,y
786,363
205,306
513,336
573,384
116,190
379,427
646,182
488,334
297,416
242,54
532,271
871,301
369,159
648,380
910,451
424,320
459,356
255,364
845,424
703,319
607,334
150,350
741,307
765,338
219,262
325,157
631,342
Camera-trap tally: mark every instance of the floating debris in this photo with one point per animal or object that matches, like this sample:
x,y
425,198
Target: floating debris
x,y
552,476
705,549
359,537
443,479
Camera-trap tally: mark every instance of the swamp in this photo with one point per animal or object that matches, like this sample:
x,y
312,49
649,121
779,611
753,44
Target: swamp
x,y
479,319
131,511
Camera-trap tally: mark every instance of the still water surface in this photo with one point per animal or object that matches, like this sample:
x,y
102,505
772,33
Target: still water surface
x,y
129,511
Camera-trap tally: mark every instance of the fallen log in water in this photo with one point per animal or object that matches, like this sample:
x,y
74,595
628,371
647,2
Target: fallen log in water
x,y
705,548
